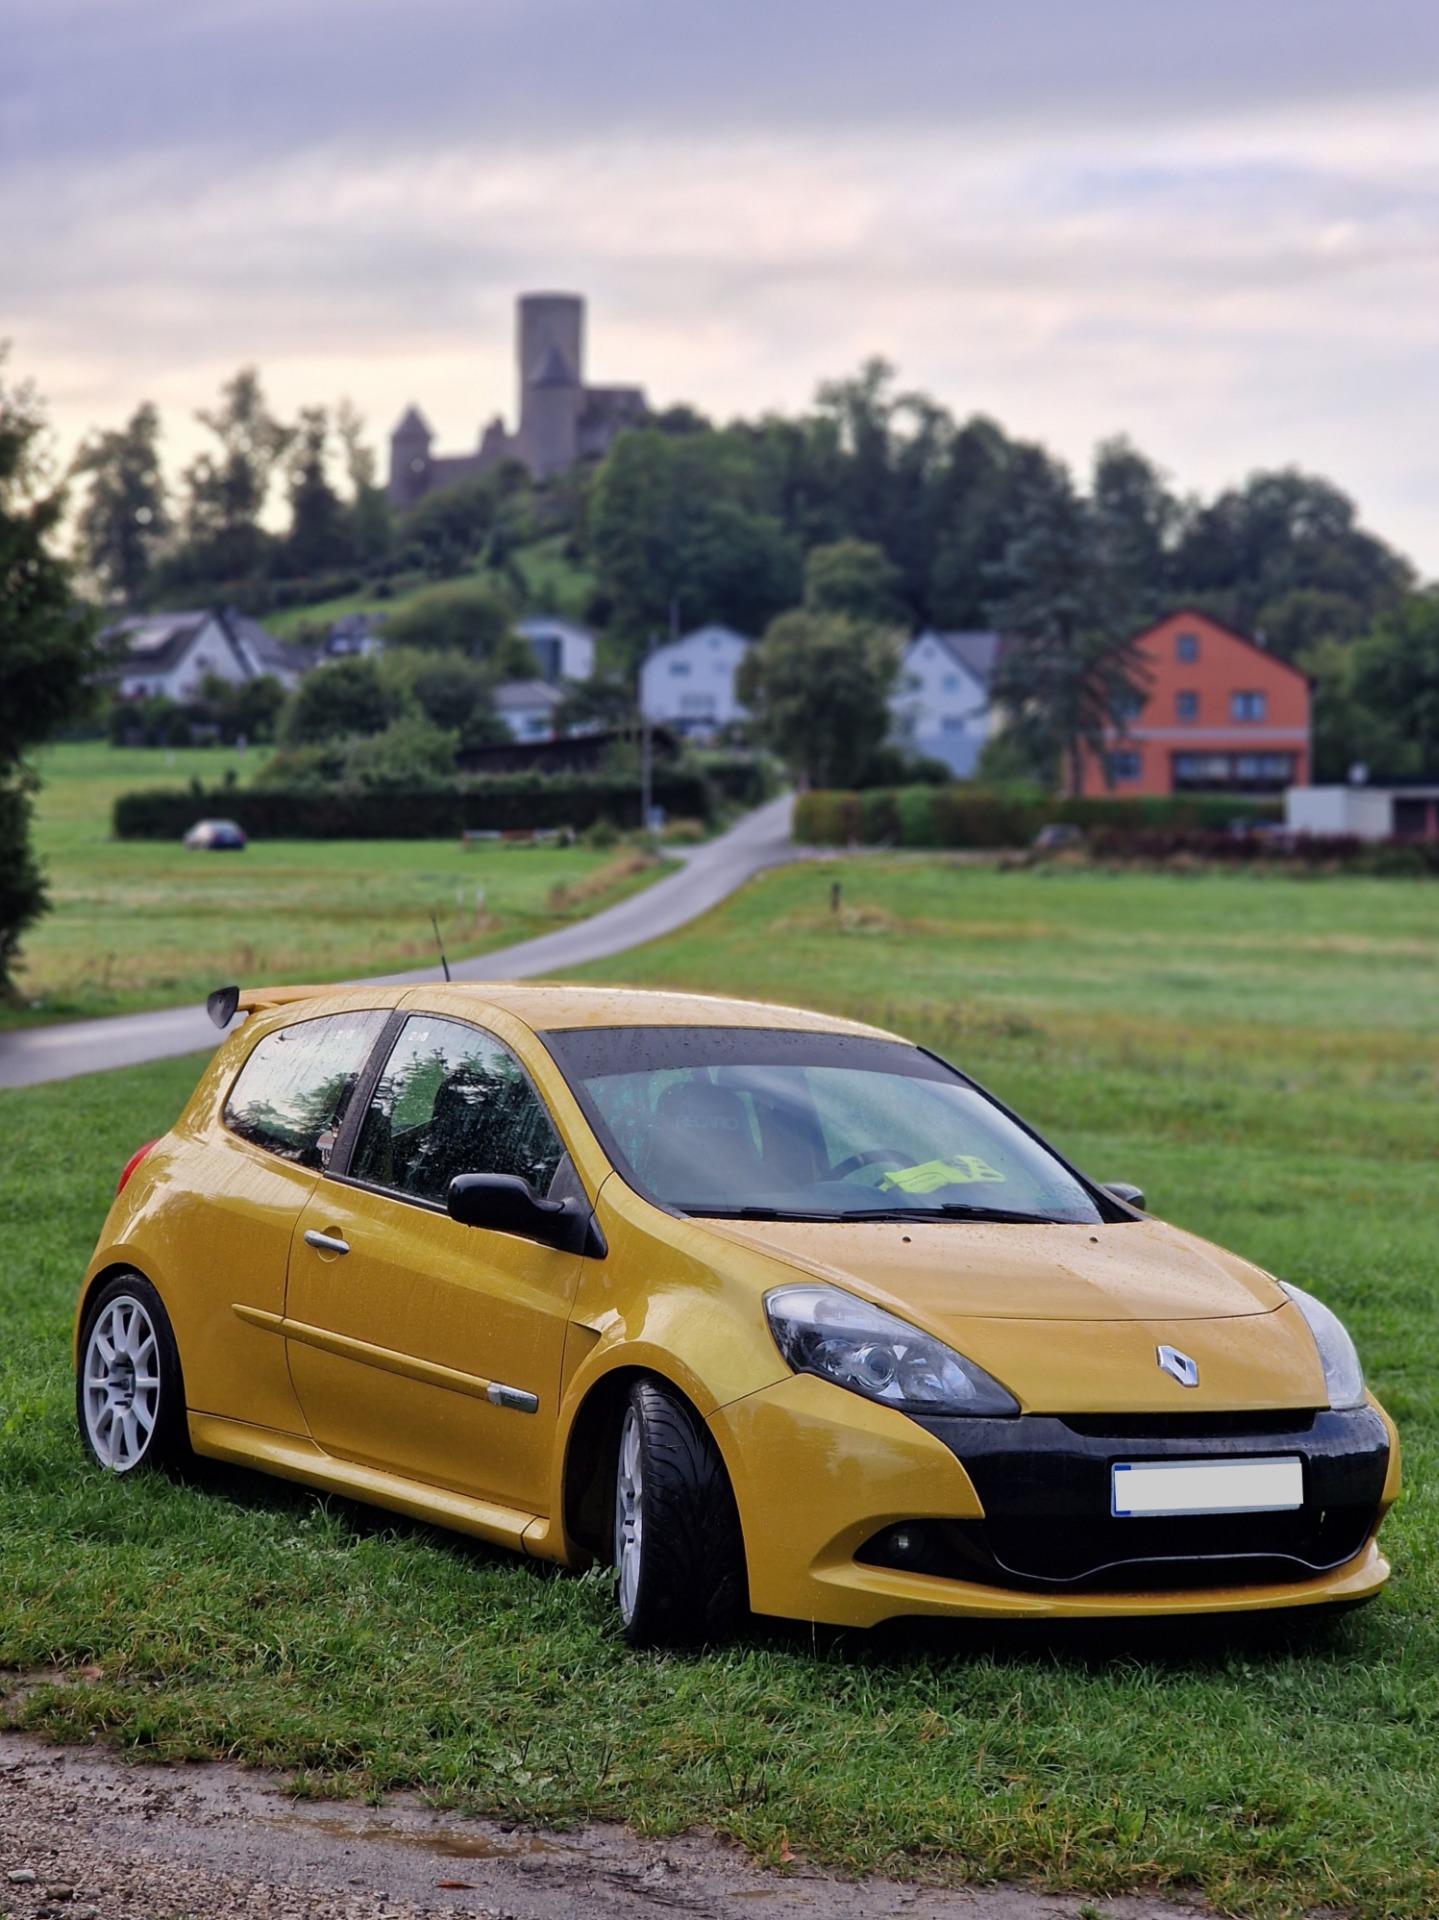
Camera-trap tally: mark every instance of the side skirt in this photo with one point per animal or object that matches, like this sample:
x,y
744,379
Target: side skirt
x,y
293,1458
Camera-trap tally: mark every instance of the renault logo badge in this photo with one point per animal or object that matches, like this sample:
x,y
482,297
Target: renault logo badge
x,y
1185,1370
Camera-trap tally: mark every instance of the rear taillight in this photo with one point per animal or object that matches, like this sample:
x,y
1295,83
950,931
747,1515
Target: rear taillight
x,y
133,1162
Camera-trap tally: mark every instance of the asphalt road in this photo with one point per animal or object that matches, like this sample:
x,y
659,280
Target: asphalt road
x,y
710,872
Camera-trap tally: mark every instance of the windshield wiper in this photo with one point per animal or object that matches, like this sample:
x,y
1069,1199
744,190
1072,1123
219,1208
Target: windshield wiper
x,y
708,1212
955,1210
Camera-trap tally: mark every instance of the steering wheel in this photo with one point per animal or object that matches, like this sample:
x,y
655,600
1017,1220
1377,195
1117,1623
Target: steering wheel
x,y
870,1158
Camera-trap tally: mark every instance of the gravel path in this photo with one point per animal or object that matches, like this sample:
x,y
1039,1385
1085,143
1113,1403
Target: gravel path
x,y
85,1835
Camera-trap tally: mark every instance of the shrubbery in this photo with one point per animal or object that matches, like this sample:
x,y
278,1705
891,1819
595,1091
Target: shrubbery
x,y
514,803
961,816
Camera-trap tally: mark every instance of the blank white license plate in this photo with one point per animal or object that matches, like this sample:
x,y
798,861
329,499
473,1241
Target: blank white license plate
x,y
1149,1488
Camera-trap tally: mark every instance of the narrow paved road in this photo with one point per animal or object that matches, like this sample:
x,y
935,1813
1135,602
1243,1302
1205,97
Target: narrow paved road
x,y
710,872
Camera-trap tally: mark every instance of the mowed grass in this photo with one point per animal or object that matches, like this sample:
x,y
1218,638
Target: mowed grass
x,y
1261,1056
147,923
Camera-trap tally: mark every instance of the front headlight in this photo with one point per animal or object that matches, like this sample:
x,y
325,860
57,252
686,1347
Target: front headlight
x,y
826,1331
1343,1375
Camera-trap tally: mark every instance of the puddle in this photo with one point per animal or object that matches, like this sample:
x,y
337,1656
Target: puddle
x,y
448,1842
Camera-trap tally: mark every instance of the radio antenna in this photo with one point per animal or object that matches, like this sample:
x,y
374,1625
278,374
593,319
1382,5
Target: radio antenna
x,y
441,945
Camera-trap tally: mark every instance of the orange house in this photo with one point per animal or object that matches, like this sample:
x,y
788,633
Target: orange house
x,y
1220,716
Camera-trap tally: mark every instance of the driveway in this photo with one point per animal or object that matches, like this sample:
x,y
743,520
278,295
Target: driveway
x,y
709,873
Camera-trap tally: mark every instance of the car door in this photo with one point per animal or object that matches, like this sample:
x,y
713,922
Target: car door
x,y
256,1170
418,1345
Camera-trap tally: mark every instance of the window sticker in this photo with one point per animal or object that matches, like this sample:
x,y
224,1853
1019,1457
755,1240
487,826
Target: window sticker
x,y
964,1170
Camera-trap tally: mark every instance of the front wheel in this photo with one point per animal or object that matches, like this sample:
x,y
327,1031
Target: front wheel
x,y
129,1394
679,1557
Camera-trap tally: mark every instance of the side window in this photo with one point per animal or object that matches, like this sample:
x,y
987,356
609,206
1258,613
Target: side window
x,y
293,1090
452,1100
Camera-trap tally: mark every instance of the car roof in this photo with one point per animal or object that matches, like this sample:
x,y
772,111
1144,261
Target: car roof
x,y
559,1006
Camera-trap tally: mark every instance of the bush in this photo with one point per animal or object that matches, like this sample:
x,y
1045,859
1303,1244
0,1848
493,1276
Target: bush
x,y
963,816
333,702
309,809
741,779
412,754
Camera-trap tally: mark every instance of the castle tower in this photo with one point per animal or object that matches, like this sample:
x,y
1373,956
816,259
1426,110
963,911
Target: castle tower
x,y
410,469
550,355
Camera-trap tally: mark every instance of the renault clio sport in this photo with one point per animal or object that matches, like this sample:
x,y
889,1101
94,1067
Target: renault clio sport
x,y
767,1309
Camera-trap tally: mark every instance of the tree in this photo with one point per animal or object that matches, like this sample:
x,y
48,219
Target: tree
x,y
125,515
47,650
1071,670
450,689
226,490
1134,520
473,618
854,577
348,697
371,528
319,536
818,686
1396,679
676,538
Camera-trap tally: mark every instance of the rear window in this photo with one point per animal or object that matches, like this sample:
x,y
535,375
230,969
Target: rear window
x,y
293,1091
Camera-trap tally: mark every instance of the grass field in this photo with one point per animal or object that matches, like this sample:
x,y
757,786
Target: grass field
x,y
146,923
1262,1056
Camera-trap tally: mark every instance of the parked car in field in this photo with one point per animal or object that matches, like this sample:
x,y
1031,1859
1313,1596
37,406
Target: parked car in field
x,y
216,836
771,1310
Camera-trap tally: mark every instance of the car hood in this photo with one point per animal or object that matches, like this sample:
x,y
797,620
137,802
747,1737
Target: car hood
x,y
943,1271
1070,1318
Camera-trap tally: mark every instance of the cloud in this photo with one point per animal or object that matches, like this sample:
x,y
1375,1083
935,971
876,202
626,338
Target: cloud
x,y
1211,229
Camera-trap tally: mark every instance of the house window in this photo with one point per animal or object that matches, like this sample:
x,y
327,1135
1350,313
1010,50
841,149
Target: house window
x,y
954,723
1186,648
679,666
1122,767
1186,706
1127,706
1248,706
951,683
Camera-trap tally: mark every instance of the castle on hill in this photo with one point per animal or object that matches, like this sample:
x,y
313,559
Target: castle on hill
x,y
561,419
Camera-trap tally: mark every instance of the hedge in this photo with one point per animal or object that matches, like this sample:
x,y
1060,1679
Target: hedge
x,y
516,803
1344,852
962,816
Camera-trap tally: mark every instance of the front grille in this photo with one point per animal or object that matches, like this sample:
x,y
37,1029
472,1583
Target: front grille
x,y
1186,1426
1045,1484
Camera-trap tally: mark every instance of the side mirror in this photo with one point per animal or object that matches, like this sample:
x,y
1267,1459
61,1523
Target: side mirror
x,y
504,1203
1121,1189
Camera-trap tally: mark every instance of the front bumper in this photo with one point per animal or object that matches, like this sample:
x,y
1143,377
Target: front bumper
x,y
1012,1517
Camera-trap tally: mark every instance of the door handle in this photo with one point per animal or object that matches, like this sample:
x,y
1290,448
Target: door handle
x,y
326,1242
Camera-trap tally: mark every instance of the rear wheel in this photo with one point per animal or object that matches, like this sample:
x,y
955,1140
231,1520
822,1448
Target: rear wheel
x,y
678,1553
129,1394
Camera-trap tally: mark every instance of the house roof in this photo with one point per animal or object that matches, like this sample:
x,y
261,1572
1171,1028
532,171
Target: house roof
x,y
511,696
1222,626
414,426
976,652
158,642
265,653
536,626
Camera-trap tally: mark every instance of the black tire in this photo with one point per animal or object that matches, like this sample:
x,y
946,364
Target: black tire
x,y
686,1581
166,1444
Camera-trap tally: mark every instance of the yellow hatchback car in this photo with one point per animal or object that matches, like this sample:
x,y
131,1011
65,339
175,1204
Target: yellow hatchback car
x,y
770,1310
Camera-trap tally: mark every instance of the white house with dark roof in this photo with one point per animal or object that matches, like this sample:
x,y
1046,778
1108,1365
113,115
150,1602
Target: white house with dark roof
x,y
940,705
171,653
689,684
562,650
527,707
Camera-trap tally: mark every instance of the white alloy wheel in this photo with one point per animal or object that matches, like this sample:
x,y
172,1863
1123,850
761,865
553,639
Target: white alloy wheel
x,y
629,1514
120,1389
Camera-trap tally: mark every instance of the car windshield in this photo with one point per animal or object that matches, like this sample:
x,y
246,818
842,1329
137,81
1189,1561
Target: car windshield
x,y
767,1124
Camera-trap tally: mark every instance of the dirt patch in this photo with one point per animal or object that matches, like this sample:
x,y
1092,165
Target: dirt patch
x,y
86,1835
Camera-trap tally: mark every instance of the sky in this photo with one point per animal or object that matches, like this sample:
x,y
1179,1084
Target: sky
x,y
1213,228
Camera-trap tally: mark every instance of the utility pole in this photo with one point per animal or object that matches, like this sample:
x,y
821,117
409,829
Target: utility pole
x,y
646,752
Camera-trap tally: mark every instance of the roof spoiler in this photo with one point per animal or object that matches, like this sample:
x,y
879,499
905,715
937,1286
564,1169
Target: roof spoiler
x,y
225,1002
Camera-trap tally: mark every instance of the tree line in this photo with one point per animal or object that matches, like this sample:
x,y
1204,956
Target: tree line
x,y
685,521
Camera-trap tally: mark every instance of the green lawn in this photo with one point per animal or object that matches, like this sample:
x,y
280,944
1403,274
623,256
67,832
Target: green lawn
x,y
146,923
1262,1056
